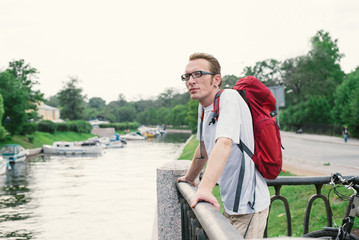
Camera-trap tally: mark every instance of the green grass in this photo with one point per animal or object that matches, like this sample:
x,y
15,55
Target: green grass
x,y
40,138
189,149
297,197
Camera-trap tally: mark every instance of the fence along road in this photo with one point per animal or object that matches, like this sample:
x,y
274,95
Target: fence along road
x,y
317,155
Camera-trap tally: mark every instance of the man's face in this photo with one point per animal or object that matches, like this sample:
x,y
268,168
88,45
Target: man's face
x,y
202,87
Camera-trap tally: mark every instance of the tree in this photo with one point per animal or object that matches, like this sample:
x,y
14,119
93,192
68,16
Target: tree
x,y
228,81
161,114
176,116
53,101
2,129
166,98
268,71
316,74
346,107
125,114
97,102
20,100
72,101
192,115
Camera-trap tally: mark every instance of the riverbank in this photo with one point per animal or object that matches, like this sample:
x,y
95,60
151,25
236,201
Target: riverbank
x,y
38,139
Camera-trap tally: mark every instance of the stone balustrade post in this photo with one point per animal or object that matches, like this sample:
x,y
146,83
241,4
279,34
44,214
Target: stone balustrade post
x,y
168,206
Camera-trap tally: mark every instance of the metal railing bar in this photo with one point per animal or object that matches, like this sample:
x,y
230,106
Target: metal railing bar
x,y
212,221
300,180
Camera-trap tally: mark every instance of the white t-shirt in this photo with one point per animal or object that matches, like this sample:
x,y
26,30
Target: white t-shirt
x,y
234,122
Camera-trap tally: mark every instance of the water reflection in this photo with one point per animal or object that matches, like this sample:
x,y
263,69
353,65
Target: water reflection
x,y
112,196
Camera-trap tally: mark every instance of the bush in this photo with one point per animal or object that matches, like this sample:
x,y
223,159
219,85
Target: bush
x,y
62,127
121,126
79,126
46,126
29,128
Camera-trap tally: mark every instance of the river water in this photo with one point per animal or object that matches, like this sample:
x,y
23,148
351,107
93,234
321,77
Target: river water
x,y
112,196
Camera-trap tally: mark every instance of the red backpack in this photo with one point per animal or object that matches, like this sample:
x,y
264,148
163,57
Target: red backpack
x,y
267,154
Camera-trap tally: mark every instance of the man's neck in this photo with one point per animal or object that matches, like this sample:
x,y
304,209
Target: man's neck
x,y
209,99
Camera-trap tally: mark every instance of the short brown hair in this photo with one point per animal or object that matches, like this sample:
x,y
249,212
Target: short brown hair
x,y
214,65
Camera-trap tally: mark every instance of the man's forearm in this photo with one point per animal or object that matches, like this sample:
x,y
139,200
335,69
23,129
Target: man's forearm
x,y
216,164
197,163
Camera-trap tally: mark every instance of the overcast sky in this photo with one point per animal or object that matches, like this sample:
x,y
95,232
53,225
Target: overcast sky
x,y
140,48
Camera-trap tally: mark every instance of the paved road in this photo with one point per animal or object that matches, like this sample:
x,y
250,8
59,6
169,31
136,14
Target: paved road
x,y
315,155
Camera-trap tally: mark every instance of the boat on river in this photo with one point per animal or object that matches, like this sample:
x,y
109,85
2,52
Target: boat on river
x,y
134,136
63,147
114,141
14,153
3,165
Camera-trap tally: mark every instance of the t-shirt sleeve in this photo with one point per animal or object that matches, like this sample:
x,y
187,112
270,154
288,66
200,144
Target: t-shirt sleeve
x,y
229,121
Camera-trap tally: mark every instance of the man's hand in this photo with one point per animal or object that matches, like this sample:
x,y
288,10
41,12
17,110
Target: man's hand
x,y
185,179
206,197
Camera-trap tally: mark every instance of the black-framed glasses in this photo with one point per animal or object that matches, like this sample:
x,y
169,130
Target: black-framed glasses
x,y
195,74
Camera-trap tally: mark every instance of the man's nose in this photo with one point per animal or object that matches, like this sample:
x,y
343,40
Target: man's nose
x,y
190,77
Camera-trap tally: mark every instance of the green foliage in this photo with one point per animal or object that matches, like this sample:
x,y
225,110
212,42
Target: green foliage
x,y
161,114
53,101
189,149
97,103
313,111
228,81
46,126
316,74
192,115
346,108
79,126
20,100
268,71
37,139
71,100
29,128
121,126
62,127
2,129
177,115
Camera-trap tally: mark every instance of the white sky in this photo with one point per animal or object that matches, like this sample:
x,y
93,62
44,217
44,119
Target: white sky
x,y
140,47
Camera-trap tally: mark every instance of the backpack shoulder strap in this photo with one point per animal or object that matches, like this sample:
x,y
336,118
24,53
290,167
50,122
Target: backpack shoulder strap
x,y
216,107
200,136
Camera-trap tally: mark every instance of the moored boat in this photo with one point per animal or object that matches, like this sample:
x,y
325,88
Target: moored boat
x,y
14,153
63,147
3,165
134,136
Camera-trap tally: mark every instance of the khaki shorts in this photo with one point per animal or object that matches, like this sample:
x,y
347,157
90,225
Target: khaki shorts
x,y
257,227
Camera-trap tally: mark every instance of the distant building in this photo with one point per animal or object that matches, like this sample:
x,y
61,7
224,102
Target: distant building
x,y
49,113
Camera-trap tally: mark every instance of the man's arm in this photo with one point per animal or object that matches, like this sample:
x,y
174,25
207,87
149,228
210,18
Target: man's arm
x,y
196,166
214,169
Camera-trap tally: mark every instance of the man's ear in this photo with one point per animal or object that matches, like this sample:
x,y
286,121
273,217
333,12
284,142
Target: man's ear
x,y
217,80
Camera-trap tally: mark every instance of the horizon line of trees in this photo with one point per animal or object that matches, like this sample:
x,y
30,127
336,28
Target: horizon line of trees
x,y
317,93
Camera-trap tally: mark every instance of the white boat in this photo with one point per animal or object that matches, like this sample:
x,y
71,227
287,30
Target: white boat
x,y
134,136
62,147
14,153
115,144
3,165
115,141
152,131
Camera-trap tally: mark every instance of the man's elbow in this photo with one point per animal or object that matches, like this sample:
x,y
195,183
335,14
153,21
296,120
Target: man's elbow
x,y
225,142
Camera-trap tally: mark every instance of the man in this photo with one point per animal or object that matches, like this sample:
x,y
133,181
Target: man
x,y
219,150
346,133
